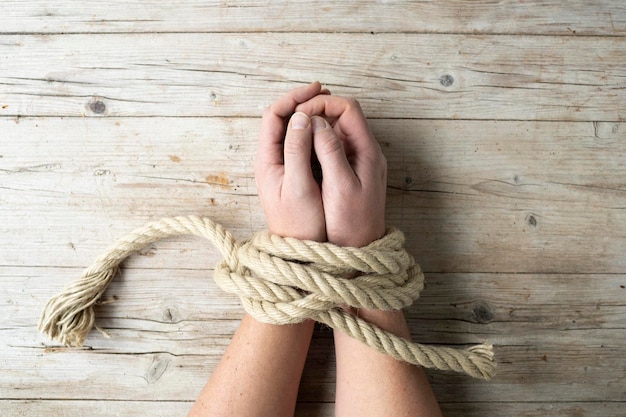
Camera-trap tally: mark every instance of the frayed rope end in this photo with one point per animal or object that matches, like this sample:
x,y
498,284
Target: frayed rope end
x,y
69,317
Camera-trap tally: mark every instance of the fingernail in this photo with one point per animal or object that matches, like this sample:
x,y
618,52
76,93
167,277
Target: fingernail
x,y
299,121
318,123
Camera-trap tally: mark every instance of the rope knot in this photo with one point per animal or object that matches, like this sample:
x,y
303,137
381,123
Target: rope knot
x,y
291,280
283,281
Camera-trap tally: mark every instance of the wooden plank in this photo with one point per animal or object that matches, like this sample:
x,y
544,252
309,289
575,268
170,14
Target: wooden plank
x,y
394,75
94,408
534,409
504,196
455,308
556,336
519,224
606,17
471,196
51,168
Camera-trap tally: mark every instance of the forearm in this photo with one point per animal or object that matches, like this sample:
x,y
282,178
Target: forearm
x,y
260,372
372,384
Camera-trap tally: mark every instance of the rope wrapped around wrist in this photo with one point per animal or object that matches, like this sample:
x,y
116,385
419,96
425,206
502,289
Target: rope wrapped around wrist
x,y
282,281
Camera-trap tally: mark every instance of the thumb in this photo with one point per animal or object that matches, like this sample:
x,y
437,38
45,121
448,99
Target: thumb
x,y
297,153
331,155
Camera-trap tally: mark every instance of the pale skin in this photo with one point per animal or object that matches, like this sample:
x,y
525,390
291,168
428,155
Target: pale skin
x,y
260,372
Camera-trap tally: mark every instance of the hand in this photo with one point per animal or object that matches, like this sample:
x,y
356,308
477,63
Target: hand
x,y
354,170
290,197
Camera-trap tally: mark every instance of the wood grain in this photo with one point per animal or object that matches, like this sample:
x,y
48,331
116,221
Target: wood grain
x,y
471,196
169,329
393,75
503,126
574,17
180,408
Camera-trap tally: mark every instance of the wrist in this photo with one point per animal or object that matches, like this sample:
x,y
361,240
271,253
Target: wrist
x,y
392,321
360,238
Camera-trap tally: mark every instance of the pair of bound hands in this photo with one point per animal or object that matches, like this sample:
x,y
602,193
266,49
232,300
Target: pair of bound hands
x,y
348,209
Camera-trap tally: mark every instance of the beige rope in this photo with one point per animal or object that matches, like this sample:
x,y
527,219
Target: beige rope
x,y
282,281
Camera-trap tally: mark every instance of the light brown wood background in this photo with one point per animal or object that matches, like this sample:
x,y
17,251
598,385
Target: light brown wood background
x,y
503,124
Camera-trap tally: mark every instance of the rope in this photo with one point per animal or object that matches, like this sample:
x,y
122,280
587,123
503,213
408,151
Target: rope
x,y
282,281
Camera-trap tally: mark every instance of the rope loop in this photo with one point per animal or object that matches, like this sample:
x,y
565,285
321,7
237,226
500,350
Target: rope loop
x,y
282,281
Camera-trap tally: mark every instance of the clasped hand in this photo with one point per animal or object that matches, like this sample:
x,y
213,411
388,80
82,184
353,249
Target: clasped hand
x,y
348,208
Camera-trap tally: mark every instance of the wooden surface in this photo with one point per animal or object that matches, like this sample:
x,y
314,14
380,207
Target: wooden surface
x,y
503,123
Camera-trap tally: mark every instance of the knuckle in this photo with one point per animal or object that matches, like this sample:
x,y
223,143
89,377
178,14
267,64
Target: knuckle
x,y
293,146
329,143
353,103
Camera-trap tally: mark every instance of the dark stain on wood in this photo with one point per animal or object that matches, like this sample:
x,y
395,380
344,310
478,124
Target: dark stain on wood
x,y
482,313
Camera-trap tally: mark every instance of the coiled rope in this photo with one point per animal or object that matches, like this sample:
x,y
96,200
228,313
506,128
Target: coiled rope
x,y
282,281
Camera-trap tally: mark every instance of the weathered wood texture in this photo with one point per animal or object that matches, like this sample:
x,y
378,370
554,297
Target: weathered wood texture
x,y
504,131
393,75
481,196
173,408
574,17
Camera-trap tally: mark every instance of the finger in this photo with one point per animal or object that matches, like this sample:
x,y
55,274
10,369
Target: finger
x,y
331,106
330,153
350,123
297,155
270,149
345,111
286,105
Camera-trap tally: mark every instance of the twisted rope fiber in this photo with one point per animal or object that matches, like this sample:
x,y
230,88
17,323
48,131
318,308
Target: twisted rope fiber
x,y
282,281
